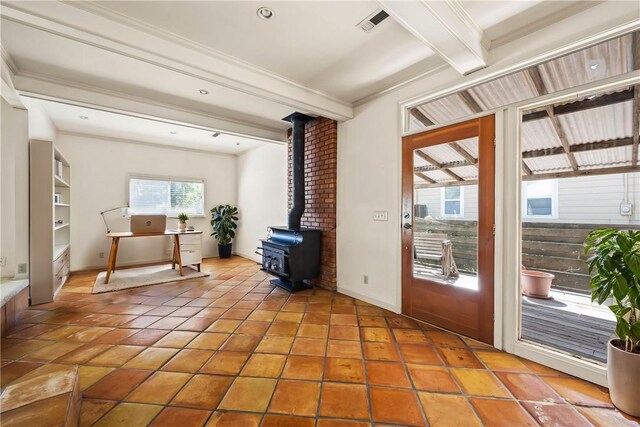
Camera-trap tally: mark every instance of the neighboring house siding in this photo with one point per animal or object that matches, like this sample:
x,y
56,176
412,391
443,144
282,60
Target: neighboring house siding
x,y
586,200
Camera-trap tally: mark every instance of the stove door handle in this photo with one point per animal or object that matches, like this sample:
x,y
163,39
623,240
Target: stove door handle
x,y
259,249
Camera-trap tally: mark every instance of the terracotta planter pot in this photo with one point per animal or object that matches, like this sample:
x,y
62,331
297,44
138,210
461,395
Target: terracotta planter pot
x,y
536,283
623,371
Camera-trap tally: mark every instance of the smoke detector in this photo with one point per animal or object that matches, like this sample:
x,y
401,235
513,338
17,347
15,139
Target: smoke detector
x,y
373,20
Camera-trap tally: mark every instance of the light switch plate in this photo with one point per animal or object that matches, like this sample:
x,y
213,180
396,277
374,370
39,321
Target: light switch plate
x,y
380,216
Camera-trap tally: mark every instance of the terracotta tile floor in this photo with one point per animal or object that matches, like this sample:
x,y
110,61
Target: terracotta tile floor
x,y
232,350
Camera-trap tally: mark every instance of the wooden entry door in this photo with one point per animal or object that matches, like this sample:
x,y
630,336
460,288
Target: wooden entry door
x,y
448,227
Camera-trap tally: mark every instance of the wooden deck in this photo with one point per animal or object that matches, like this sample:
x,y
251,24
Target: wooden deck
x,y
568,324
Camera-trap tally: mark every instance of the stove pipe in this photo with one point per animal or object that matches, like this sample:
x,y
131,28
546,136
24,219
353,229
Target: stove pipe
x,y
298,120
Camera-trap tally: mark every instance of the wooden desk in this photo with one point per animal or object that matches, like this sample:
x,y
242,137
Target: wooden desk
x,y
175,258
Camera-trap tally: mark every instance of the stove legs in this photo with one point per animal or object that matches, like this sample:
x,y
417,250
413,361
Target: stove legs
x,y
291,286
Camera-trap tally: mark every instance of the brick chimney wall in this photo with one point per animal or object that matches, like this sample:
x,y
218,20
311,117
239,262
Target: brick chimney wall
x,y
320,174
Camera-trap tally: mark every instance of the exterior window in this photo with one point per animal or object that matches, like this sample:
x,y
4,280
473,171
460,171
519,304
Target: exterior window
x,y
540,199
453,201
169,196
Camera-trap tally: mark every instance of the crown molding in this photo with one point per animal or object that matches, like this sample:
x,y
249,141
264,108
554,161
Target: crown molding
x,y
44,87
6,57
149,144
544,22
54,19
436,69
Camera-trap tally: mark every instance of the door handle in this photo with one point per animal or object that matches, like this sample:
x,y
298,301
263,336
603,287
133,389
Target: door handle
x,y
407,225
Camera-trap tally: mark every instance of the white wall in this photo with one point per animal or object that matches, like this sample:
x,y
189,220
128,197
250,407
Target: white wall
x,y
262,195
369,153
14,189
99,181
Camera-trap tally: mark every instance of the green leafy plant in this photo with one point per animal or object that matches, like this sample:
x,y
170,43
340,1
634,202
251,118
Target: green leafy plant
x,y
223,221
183,217
615,274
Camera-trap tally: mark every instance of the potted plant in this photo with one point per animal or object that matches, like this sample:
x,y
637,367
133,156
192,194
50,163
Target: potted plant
x,y
182,221
223,221
615,277
536,284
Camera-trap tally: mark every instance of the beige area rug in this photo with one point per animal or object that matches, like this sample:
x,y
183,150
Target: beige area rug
x,y
142,276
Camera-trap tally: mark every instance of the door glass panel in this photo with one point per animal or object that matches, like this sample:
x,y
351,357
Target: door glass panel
x,y
445,211
592,184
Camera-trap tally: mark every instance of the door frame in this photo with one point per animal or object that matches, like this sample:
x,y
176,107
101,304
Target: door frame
x,y
441,135
510,269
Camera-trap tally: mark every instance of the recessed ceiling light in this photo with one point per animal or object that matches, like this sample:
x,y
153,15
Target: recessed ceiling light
x,y
237,143
591,97
84,117
203,92
265,13
173,132
215,134
594,66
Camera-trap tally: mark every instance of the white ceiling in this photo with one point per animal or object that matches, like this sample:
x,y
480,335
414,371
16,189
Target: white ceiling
x,y
116,126
315,43
310,57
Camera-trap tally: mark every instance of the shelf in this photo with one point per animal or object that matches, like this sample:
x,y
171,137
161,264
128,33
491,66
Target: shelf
x,y
62,204
61,182
58,227
58,250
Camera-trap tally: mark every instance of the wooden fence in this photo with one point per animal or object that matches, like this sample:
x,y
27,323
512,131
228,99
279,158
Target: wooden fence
x,y
552,247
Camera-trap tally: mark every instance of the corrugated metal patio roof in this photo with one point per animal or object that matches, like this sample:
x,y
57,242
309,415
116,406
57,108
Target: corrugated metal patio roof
x,y
596,133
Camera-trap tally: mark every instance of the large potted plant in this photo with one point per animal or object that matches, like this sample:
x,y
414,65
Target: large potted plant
x,y
223,221
615,277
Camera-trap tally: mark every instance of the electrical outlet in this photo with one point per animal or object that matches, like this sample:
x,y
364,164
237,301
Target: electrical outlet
x,y
22,268
3,261
101,255
380,216
365,279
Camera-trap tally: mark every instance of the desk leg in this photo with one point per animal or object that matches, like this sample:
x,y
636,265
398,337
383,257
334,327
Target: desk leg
x,y
173,256
115,255
112,258
178,257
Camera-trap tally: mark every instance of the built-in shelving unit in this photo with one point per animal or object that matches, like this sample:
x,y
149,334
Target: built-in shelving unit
x,y
50,241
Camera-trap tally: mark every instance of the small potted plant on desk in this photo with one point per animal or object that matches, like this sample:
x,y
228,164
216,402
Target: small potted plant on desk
x,y
182,221
223,221
615,276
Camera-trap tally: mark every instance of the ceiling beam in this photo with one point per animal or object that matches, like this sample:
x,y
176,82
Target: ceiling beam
x,y
537,177
443,166
435,163
470,102
582,105
464,153
425,177
419,116
589,146
541,90
446,29
90,25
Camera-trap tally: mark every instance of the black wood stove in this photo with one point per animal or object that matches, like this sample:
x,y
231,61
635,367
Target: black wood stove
x,y
292,253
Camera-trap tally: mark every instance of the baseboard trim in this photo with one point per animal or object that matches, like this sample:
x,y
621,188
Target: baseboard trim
x,y
366,298
253,257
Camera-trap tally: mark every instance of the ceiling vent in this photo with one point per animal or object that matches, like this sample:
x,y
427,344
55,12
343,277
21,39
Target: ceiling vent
x,y
373,20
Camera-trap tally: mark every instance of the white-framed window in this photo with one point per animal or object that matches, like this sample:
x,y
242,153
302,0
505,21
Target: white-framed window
x,y
165,195
452,201
540,199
